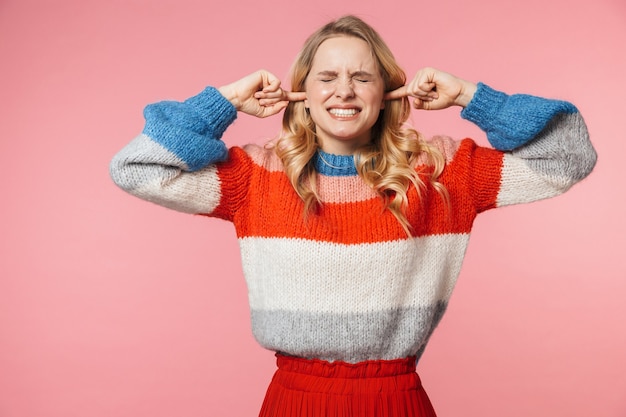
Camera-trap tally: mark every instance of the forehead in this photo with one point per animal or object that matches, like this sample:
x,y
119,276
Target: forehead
x,y
344,52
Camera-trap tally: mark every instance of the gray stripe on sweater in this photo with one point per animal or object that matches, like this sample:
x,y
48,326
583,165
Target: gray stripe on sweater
x,y
143,161
147,170
561,150
351,338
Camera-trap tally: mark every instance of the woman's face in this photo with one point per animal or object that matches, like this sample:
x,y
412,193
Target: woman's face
x,y
344,94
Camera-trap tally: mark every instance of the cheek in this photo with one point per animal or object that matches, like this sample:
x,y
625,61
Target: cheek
x,y
325,91
373,97
315,113
318,94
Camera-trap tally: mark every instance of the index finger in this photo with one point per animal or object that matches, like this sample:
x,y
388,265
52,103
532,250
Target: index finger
x,y
294,95
396,94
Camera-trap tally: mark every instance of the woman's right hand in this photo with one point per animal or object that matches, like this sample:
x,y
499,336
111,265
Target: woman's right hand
x,y
259,94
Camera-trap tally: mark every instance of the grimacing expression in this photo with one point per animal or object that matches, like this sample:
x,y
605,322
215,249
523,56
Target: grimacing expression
x,y
345,93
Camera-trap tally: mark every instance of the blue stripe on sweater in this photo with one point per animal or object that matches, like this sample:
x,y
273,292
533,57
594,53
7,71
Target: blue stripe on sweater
x,y
192,129
334,165
512,121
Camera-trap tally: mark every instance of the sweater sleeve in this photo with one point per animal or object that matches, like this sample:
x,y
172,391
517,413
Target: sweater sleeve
x,y
544,144
173,161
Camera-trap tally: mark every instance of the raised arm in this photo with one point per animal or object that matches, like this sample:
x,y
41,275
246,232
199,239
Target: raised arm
x,y
173,161
544,143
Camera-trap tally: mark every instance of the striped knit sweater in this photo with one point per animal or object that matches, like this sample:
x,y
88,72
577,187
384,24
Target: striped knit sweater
x,y
348,283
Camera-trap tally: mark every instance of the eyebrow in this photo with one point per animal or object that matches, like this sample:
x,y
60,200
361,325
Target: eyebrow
x,y
352,74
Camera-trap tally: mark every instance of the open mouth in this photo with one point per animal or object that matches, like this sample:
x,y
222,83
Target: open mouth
x,y
344,112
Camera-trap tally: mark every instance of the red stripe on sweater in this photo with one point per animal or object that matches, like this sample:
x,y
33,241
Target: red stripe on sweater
x,y
263,203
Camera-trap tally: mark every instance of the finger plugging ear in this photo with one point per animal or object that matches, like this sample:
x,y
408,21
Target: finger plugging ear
x,y
294,95
398,93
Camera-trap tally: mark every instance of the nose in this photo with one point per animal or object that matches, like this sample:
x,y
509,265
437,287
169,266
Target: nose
x,y
344,89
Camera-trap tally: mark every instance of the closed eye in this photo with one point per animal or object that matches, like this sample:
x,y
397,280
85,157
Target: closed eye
x,y
362,76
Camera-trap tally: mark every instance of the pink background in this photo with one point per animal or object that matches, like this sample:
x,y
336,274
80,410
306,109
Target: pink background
x,y
110,306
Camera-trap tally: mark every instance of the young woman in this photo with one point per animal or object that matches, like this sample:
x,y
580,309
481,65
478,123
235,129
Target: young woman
x,y
352,227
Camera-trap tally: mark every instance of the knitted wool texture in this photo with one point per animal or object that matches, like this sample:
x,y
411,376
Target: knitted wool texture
x,y
347,283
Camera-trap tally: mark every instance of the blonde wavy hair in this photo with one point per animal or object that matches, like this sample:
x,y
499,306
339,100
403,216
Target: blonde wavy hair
x,y
388,163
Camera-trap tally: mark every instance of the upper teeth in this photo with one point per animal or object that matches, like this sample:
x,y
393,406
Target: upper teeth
x,y
343,112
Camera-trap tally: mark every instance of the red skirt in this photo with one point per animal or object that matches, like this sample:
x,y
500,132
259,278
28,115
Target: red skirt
x,y
316,388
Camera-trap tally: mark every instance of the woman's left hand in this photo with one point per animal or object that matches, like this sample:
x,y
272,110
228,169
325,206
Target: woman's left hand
x,y
435,90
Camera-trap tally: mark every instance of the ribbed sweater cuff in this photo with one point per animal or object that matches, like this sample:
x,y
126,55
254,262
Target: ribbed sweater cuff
x,y
217,111
483,106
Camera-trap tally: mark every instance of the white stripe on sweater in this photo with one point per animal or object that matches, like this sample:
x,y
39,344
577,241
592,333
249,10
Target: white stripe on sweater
x,y
522,184
306,275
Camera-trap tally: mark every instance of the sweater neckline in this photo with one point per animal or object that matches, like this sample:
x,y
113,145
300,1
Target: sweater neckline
x,y
334,165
